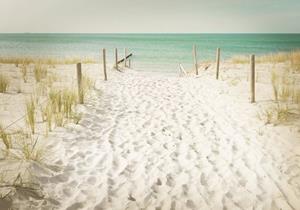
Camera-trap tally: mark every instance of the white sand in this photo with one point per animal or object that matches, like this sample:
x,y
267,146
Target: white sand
x,y
150,141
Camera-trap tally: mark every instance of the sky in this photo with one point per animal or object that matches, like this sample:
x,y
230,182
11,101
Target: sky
x,y
149,16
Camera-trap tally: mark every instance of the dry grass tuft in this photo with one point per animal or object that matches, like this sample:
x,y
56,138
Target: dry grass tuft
x,y
87,85
56,100
295,60
62,103
240,59
30,114
266,115
275,84
4,83
284,87
6,139
68,100
59,119
275,114
30,149
40,72
23,70
292,58
46,60
51,79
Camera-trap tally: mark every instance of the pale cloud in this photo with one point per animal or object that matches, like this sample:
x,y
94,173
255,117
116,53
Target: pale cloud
x,y
98,16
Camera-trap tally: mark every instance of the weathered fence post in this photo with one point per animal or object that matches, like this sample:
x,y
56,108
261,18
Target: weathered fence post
x,y
129,63
125,57
195,58
252,78
218,63
104,64
116,56
79,85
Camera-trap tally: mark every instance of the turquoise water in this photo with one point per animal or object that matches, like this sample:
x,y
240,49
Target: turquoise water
x,y
150,50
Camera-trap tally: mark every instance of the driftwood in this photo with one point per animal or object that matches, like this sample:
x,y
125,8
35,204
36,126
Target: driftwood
x,y
182,72
203,66
122,60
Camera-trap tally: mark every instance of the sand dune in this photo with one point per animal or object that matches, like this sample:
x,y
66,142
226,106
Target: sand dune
x,y
149,141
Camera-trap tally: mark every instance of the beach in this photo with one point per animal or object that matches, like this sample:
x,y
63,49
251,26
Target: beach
x,y
150,105
149,140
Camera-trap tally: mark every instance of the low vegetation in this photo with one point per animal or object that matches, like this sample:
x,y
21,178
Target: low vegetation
x,y
292,58
87,84
51,61
286,95
5,137
40,72
24,142
50,102
30,149
30,114
4,83
23,69
61,104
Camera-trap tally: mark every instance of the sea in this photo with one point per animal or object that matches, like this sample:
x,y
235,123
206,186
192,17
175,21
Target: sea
x,y
151,52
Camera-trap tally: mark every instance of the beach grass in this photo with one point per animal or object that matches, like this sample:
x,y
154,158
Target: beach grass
x,y
295,61
61,104
87,85
69,100
286,93
30,149
23,69
40,72
46,60
5,137
30,114
293,58
4,83
59,119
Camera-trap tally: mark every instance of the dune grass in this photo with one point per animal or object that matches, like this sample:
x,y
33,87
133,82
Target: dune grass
x,y
59,119
23,69
62,103
25,143
69,100
30,114
46,60
4,83
276,114
275,84
40,72
87,85
295,61
51,78
5,137
284,87
286,95
293,58
55,99
30,149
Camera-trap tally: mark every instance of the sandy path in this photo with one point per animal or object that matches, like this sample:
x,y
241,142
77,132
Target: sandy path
x,y
158,142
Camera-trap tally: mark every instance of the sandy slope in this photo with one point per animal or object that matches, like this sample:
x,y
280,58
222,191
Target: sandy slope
x,y
149,141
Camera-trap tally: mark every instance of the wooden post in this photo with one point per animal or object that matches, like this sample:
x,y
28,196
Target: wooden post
x,y
195,58
104,64
129,63
79,85
252,78
116,56
125,57
218,63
